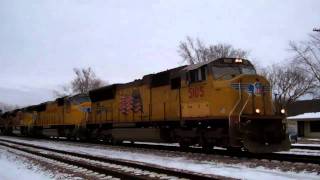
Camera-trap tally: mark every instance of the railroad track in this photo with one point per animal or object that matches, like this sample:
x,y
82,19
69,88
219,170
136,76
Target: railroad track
x,y
294,158
107,166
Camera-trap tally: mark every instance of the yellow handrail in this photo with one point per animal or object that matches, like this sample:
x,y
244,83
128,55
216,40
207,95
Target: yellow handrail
x,y
239,100
245,104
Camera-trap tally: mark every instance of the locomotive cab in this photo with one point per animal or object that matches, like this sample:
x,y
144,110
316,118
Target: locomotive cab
x,y
253,122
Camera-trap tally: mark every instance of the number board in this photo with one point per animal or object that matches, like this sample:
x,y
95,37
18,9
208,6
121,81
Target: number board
x,y
196,92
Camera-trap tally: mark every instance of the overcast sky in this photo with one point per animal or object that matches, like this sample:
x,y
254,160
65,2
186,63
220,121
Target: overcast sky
x,y
41,41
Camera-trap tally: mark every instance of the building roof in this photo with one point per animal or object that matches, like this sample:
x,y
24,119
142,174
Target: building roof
x,y
304,106
306,116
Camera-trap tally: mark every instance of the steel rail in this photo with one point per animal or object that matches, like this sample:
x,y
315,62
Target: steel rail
x,y
143,166
294,158
305,147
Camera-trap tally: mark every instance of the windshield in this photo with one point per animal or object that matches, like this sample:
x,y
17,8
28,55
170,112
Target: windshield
x,y
230,72
248,70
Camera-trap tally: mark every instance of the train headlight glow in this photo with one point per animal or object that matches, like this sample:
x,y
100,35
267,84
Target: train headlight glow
x,y
258,111
238,61
283,111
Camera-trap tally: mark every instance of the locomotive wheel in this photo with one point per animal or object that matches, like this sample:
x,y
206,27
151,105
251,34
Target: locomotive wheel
x,y
207,146
115,142
107,139
234,149
184,145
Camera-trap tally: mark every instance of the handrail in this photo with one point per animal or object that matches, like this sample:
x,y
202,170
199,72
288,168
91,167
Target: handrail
x,y
239,84
245,104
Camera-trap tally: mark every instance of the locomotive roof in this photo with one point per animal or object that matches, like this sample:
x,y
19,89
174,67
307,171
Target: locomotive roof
x,y
215,61
154,80
103,93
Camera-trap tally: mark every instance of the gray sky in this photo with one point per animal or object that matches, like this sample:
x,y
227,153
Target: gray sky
x,y
42,40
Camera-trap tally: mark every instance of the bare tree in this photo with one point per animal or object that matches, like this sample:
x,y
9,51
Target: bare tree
x,y
64,90
307,55
7,107
289,83
84,81
196,51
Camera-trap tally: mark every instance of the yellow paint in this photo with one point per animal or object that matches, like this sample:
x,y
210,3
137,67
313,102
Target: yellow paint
x,y
208,99
216,98
200,109
67,114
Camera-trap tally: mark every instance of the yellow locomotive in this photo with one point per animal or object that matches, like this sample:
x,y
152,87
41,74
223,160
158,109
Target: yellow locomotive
x,y
63,117
216,103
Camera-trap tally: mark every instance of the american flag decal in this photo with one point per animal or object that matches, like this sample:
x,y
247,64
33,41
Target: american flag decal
x,y
130,103
258,88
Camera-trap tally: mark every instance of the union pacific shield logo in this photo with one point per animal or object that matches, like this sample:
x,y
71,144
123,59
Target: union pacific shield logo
x,y
255,89
251,88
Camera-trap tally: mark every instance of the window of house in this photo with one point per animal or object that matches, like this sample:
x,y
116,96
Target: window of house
x,y
315,126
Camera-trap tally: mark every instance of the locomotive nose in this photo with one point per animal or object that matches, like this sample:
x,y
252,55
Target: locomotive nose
x,y
254,94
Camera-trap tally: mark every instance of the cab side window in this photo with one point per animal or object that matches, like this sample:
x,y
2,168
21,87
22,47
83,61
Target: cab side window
x,y
197,75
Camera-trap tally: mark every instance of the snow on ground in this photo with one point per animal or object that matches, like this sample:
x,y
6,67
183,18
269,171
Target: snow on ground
x,y
311,145
311,115
312,139
308,152
12,169
176,161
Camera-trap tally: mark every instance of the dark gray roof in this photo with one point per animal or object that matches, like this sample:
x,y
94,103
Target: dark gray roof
x,y
304,106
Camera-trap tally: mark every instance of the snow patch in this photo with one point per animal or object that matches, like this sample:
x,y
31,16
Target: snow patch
x,y
312,115
13,169
175,161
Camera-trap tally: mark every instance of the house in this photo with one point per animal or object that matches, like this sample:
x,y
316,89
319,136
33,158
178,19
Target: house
x,y
307,124
304,118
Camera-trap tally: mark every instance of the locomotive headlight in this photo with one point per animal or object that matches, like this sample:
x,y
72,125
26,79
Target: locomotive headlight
x,y
283,111
258,111
238,60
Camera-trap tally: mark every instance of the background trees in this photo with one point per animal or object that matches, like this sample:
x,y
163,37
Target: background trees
x,y
299,76
289,83
7,107
307,56
290,80
195,51
85,80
